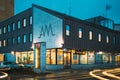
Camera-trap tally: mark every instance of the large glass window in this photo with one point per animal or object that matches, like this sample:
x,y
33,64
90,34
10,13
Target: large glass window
x,y
8,28
75,59
90,35
83,58
48,57
19,25
18,39
53,56
91,57
99,37
30,19
24,22
59,56
30,37
67,30
80,33
24,38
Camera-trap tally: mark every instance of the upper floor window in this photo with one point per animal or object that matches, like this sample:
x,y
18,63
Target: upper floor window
x,y
67,30
4,42
90,35
19,25
13,40
18,39
30,37
0,31
4,29
114,40
107,39
0,43
13,26
80,32
99,37
24,22
24,38
31,19
8,41
8,28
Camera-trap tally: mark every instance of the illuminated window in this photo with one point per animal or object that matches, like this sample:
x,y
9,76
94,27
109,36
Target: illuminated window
x,y
4,42
90,35
99,37
8,28
31,19
18,24
60,56
0,43
24,38
107,39
83,58
4,30
48,61
80,33
53,56
0,31
13,26
24,22
30,37
67,30
18,39
75,59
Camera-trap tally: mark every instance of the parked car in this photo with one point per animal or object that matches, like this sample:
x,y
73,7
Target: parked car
x,y
13,65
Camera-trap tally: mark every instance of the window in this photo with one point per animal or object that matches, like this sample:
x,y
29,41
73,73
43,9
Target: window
x,y
13,26
99,37
53,57
13,41
24,22
0,43
67,30
90,35
18,39
30,19
18,24
30,37
8,28
4,29
48,55
8,42
0,31
59,56
80,33
4,42
24,38
107,39
114,40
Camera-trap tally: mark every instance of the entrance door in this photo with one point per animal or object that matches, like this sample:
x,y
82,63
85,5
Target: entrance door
x,y
67,60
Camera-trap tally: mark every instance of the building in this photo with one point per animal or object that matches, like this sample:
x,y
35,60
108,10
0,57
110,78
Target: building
x,y
6,9
117,27
70,42
100,20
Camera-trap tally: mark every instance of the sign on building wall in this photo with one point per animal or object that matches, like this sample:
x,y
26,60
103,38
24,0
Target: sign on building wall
x,y
47,28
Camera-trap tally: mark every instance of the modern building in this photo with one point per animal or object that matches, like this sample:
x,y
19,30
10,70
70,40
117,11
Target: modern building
x,y
100,20
6,9
70,42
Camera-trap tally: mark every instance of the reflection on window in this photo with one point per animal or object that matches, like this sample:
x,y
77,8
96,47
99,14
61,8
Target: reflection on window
x,y
24,38
8,27
80,33
30,19
75,59
60,56
18,39
53,57
99,37
48,61
24,22
107,39
67,30
90,35
18,24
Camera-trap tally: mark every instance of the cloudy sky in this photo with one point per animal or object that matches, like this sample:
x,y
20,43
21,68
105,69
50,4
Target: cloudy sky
x,y
82,9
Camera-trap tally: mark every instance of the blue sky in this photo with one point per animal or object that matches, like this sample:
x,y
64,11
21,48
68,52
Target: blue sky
x,y
82,9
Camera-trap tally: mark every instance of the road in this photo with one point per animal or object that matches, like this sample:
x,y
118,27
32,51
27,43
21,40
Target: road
x,y
65,75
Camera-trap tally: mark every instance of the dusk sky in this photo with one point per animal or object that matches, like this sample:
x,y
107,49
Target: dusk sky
x,y
82,9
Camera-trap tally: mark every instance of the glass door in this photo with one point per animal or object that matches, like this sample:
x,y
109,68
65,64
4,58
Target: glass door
x,y
67,60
